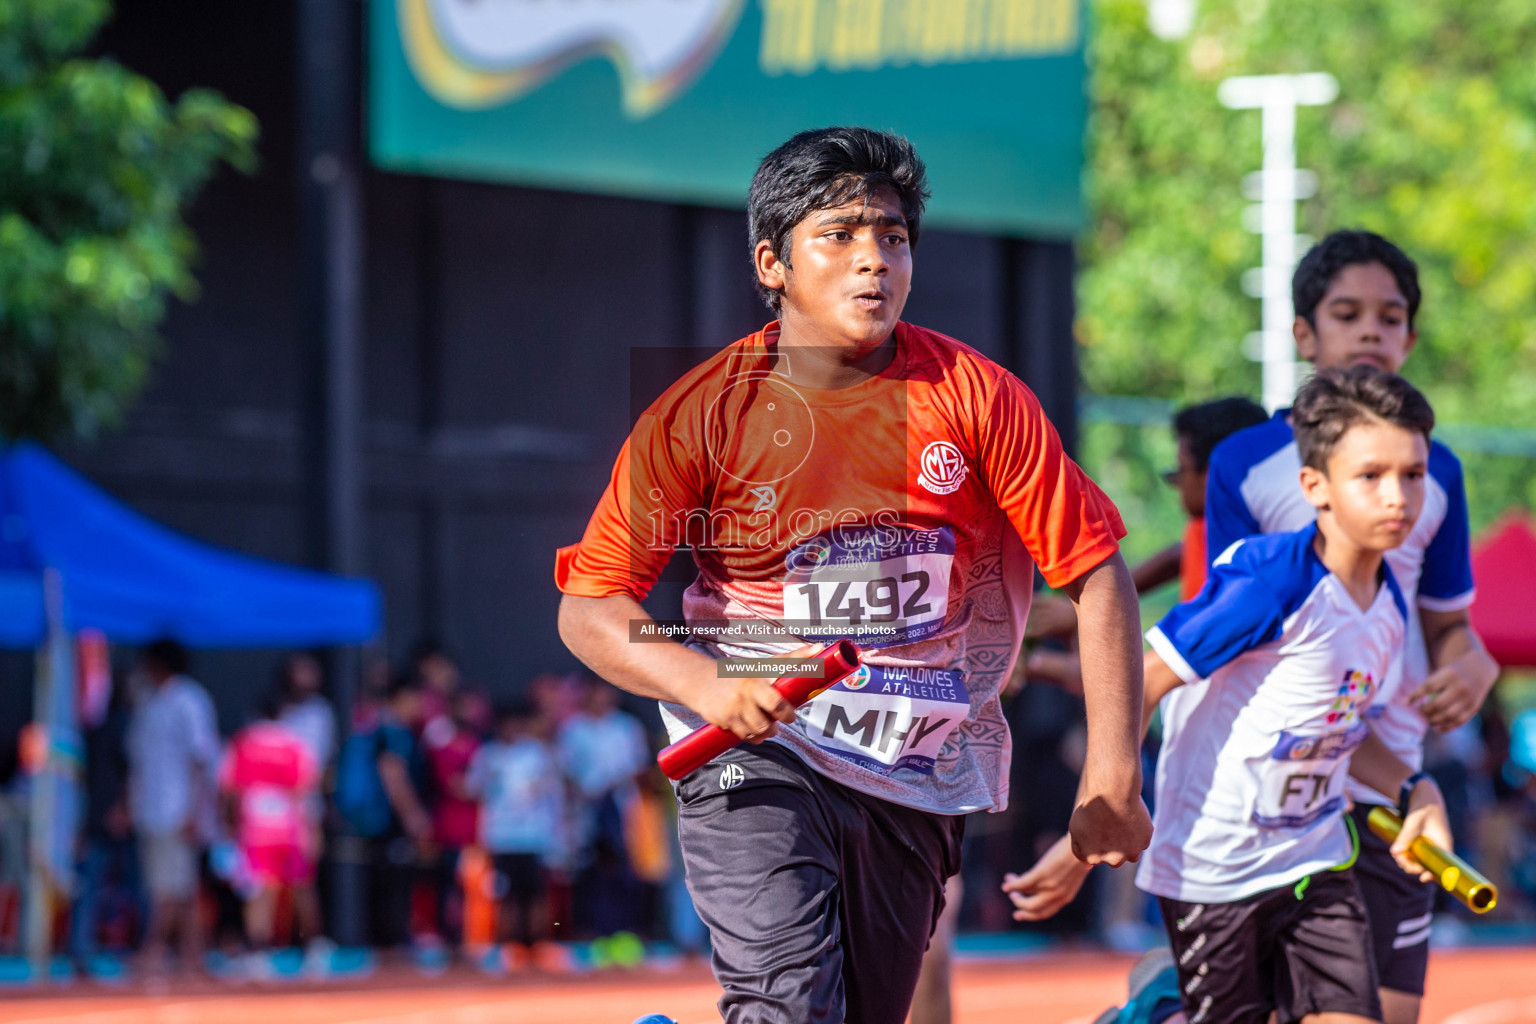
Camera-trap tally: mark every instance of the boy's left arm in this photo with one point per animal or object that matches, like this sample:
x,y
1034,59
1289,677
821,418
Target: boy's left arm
x,y
1380,769
1462,671
1110,824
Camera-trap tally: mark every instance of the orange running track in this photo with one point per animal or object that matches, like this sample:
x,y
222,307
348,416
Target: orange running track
x,y
1465,987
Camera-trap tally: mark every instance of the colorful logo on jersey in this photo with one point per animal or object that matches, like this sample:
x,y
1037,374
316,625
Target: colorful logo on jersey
x,y
858,680
473,54
1354,692
942,468
809,555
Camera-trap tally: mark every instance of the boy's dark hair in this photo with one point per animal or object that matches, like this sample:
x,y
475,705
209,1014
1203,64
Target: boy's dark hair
x,y
513,708
399,682
167,655
427,647
827,167
269,708
1327,258
1203,426
1336,399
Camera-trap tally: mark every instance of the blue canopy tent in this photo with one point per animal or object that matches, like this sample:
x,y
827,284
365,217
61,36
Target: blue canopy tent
x,y
73,558
135,580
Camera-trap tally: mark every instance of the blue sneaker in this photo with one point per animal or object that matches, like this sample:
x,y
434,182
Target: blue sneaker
x,y
1153,986
655,1018
1153,992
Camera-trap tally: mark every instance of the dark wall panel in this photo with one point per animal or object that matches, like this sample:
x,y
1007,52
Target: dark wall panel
x,y
402,259
396,559
503,598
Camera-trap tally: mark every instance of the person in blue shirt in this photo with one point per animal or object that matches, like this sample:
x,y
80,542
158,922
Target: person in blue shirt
x,y
1357,296
1266,679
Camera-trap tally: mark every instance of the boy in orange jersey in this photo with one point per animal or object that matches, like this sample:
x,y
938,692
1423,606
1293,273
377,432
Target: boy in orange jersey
x,y
841,473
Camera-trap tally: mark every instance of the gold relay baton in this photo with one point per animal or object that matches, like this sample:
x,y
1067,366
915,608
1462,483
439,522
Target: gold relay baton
x,y
1455,875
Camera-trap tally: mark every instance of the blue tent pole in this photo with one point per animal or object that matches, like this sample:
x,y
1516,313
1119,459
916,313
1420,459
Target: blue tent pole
x,y
54,804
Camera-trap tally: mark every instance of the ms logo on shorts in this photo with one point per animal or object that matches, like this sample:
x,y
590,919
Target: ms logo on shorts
x,y
942,468
731,776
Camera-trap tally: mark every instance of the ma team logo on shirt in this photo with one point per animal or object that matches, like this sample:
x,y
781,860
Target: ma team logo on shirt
x,y
943,468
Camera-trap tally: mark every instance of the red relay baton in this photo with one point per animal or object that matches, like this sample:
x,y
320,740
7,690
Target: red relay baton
x,y
708,742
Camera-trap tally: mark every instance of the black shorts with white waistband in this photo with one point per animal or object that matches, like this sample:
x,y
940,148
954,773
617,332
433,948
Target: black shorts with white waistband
x,y
1296,950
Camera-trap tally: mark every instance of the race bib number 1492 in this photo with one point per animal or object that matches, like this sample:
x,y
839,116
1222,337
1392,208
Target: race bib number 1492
x,y
879,586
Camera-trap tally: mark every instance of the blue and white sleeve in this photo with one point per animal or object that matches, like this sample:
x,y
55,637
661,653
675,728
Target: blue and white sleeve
x,y
1445,584
1227,516
1234,612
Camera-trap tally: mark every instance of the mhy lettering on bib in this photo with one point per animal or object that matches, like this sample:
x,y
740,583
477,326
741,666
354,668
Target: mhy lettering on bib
x,y
885,719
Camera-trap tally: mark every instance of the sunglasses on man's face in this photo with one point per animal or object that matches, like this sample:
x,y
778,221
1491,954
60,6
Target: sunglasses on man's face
x,y
1171,477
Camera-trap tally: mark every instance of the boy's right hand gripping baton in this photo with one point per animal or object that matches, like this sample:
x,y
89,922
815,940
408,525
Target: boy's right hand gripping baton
x,y
708,742
1455,875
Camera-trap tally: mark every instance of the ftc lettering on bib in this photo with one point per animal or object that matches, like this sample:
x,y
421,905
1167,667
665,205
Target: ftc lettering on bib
x,y
888,718
1303,777
877,585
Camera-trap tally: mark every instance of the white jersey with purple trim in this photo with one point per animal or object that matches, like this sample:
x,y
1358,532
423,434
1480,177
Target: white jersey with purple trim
x,y
1279,665
1253,486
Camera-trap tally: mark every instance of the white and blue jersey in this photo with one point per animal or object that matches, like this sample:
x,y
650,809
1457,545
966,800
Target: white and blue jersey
x,y
1254,486
1279,665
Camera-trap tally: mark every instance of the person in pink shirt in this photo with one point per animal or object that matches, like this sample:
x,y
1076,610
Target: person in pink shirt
x,y
268,776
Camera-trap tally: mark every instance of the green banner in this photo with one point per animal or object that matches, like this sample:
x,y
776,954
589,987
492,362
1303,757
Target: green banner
x,y
679,99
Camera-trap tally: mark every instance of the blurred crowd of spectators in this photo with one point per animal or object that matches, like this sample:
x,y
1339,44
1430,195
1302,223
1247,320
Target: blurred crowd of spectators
x,y
498,831
460,825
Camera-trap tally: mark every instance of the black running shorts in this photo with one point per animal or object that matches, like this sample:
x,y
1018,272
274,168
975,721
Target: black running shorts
x,y
1274,951
819,899
1399,907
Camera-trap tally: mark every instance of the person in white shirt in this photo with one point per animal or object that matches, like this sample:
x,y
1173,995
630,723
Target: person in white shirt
x,y
1356,297
602,746
309,715
173,750
602,750
517,780
1268,673
306,711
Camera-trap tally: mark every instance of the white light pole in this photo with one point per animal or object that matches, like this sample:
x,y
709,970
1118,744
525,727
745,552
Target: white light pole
x,y
1277,188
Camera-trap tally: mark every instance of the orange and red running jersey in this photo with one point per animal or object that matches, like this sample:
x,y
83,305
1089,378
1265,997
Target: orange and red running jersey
x,y
905,512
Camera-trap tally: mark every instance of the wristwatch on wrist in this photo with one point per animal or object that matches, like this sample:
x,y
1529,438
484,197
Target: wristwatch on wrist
x,y
1406,790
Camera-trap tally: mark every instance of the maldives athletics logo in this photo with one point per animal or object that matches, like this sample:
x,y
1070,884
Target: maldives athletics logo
x,y
942,468
480,53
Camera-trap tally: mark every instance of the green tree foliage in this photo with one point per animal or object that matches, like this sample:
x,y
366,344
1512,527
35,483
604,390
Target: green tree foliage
x,y
1431,142
96,168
